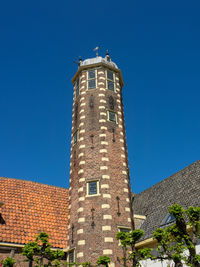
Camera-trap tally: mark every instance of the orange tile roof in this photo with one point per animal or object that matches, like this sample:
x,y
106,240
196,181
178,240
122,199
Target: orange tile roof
x,y
30,208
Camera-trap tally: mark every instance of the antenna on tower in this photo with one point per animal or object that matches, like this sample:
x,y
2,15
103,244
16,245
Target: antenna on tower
x,y
96,49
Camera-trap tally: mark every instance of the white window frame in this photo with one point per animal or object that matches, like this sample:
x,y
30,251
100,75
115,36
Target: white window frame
x,y
107,79
108,117
87,188
89,89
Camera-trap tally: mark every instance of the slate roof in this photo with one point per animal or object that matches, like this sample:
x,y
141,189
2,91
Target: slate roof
x,y
30,208
182,188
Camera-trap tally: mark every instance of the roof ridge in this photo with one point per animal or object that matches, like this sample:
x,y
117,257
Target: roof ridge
x,y
149,188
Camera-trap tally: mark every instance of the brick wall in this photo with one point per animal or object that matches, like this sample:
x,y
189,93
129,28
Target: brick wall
x,y
99,154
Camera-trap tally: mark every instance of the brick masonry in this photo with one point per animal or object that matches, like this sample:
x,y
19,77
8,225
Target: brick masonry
x,y
100,154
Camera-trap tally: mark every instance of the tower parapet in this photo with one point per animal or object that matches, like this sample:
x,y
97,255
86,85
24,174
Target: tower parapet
x,y
100,194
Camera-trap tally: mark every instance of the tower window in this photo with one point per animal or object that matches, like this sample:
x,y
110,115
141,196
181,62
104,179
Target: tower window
x,y
75,137
112,116
110,80
77,87
92,188
91,79
124,230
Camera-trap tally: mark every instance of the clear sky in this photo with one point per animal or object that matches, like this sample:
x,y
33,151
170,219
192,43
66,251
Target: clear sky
x,y
156,44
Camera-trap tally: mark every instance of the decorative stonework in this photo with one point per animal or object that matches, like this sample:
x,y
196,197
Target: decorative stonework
x,y
98,159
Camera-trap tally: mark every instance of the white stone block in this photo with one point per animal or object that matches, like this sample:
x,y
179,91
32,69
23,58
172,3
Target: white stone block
x,y
106,228
81,242
105,176
80,255
107,252
80,220
104,186
108,239
105,206
80,209
103,168
106,196
79,231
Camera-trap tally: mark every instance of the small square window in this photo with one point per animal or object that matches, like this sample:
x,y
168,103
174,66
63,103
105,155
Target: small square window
x,y
75,137
112,116
92,188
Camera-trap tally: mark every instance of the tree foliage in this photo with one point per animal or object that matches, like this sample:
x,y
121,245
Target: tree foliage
x,y
174,240
103,260
41,252
128,241
86,264
8,262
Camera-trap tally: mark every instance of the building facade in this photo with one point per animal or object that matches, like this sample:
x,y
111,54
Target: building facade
x,y
99,193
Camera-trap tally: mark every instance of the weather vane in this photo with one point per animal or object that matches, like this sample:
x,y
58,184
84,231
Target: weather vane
x,y
96,49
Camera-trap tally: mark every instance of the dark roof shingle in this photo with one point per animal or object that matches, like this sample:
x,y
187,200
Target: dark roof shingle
x,y
182,188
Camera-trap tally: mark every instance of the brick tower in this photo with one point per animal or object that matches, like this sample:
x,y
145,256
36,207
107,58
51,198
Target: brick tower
x,y
100,193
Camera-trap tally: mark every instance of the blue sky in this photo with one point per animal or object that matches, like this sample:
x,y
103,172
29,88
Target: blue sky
x,y
156,44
